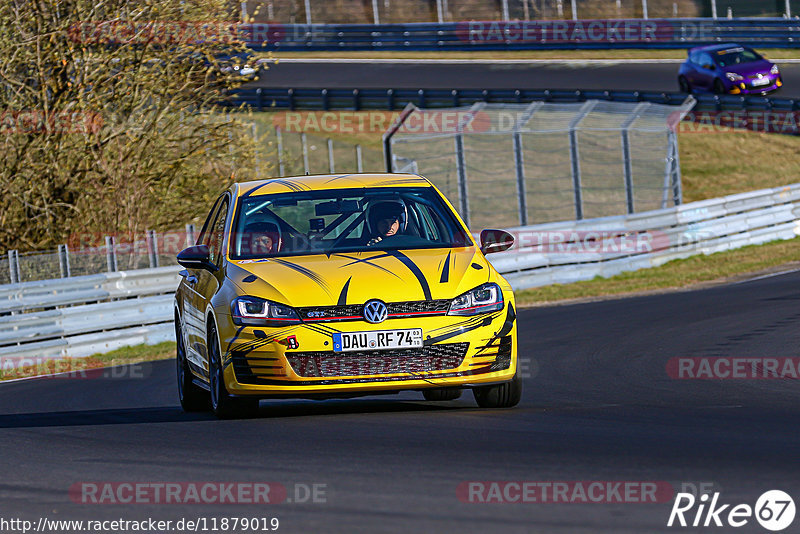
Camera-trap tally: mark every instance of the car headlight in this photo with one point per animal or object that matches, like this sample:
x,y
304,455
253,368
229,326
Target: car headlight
x,y
732,76
482,299
774,70
253,311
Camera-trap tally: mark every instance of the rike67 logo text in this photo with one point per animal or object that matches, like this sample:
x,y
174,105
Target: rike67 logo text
x,y
774,510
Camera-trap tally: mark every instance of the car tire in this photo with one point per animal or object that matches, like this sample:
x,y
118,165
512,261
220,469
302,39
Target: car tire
x,y
192,397
503,395
719,88
441,394
683,83
223,404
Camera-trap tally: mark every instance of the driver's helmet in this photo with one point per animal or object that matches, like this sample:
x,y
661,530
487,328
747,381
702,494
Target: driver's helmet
x,y
253,230
384,210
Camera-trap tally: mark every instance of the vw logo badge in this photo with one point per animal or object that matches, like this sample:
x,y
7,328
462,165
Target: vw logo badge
x,y
375,311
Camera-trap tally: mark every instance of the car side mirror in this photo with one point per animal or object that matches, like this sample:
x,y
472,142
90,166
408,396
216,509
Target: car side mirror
x,y
196,257
709,67
495,241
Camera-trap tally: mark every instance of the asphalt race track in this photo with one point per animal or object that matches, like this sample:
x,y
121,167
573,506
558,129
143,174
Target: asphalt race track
x,y
598,406
414,74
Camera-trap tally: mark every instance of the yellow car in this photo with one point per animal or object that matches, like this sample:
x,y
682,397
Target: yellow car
x,y
340,286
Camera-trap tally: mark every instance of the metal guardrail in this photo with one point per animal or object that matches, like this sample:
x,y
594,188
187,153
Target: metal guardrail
x,y
524,35
265,99
85,315
559,253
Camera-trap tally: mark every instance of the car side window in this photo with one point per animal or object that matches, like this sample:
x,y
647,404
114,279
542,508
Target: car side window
x,y
694,57
216,233
202,239
705,60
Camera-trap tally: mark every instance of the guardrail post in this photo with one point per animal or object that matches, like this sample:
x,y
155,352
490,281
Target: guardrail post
x,y
575,156
63,260
13,266
259,99
331,165
111,254
190,239
326,102
421,94
304,141
281,166
152,247
290,96
356,100
359,160
390,99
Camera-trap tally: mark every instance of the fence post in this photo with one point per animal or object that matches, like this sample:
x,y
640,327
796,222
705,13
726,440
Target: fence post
x,y
13,266
713,9
359,159
308,12
505,11
255,148
672,173
270,11
190,235
111,254
279,135
376,18
560,8
788,9
519,161
644,9
439,11
304,141
461,170
575,156
331,165
63,260
627,163
574,10
244,12
152,248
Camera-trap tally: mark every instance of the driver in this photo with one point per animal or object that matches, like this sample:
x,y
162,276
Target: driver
x,y
385,220
261,238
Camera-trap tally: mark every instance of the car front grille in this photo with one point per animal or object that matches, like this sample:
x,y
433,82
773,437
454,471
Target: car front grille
x,y
439,357
353,312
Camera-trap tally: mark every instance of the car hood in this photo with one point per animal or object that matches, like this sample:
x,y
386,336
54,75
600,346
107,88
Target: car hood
x,y
354,278
748,69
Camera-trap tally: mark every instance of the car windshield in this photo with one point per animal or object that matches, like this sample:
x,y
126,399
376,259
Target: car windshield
x,y
736,56
343,220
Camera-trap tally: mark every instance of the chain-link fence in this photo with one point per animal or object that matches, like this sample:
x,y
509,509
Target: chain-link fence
x,y
505,165
404,11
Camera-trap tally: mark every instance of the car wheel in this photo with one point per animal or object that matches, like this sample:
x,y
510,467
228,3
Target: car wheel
x,y
683,83
223,404
441,394
719,88
503,395
193,398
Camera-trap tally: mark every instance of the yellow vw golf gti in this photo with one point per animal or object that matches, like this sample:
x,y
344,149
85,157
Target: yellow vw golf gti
x,y
338,286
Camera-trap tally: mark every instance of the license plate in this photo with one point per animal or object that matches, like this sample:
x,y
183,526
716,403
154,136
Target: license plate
x,y
377,340
761,81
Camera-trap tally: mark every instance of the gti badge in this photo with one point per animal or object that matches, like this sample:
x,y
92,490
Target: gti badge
x,y
375,311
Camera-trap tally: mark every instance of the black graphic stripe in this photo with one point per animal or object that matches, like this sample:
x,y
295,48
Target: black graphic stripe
x,y
481,321
287,183
445,271
305,272
367,261
426,289
343,295
511,315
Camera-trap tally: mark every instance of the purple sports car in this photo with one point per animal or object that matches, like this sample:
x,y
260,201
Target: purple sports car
x,y
728,69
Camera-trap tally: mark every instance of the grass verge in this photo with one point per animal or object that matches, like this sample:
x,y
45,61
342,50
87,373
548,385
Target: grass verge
x,y
87,367
701,270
